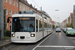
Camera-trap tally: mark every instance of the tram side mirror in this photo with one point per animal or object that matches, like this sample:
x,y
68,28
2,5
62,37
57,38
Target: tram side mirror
x,y
8,19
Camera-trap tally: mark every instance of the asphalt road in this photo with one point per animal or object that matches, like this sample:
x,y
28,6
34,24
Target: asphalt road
x,y
55,41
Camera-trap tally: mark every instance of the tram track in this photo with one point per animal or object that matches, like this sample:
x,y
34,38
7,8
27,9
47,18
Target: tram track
x,y
19,47
10,47
14,47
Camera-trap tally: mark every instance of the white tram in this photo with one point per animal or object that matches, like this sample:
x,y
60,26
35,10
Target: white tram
x,y
28,28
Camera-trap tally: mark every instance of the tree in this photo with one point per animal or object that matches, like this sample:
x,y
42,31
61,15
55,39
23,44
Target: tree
x,y
53,26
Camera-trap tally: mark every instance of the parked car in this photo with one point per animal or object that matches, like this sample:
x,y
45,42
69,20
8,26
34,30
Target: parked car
x,y
61,28
70,32
58,30
64,30
69,28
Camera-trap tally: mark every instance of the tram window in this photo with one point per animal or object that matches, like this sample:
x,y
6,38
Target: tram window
x,y
45,26
40,26
36,25
48,26
23,24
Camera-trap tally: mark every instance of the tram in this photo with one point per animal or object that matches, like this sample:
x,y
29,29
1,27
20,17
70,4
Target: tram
x,y
28,28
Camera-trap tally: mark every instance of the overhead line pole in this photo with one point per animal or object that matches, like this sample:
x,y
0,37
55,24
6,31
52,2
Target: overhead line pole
x,y
42,23
1,20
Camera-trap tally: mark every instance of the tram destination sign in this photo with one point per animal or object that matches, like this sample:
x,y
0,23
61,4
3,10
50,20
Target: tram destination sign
x,y
24,18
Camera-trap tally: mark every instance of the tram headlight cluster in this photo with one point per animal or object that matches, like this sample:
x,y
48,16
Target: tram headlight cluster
x,y
32,35
13,35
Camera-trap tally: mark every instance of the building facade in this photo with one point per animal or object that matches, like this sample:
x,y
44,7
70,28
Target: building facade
x,y
11,7
69,21
72,20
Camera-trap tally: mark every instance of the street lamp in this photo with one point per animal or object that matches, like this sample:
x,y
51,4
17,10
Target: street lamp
x,y
56,10
42,20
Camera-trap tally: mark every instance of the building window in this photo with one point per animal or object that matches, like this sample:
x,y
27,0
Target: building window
x,y
36,25
5,0
9,1
20,5
13,12
10,13
40,25
16,12
14,2
24,8
6,11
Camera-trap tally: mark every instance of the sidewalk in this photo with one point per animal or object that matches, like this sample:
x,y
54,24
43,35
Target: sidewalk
x,y
4,42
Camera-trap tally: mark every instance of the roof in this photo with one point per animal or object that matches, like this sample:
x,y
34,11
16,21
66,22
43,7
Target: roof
x,y
52,22
71,13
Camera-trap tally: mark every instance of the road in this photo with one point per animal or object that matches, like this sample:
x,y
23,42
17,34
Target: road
x,y
55,41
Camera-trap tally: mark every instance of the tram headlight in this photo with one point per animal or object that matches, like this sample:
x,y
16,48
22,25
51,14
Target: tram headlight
x,y
32,35
13,35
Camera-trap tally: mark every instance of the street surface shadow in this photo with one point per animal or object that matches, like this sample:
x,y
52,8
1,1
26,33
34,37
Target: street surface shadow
x,y
71,35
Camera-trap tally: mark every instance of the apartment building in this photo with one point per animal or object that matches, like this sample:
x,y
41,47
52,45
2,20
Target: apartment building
x,y
69,21
25,6
71,14
69,18
13,7
10,7
65,23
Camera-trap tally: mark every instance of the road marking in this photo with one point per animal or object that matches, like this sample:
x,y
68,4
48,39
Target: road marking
x,y
58,46
17,47
41,42
66,47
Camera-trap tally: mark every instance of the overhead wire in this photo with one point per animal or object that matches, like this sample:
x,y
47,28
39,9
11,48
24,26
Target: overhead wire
x,y
35,3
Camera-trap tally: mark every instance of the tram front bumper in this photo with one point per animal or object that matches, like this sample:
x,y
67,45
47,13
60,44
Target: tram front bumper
x,y
23,41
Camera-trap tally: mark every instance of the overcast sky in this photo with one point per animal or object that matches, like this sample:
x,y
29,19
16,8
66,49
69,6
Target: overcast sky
x,y
65,7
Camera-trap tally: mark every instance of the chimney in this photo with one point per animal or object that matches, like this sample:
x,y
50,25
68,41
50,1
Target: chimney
x,y
30,5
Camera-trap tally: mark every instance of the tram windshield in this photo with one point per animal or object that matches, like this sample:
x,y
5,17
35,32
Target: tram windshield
x,y
23,24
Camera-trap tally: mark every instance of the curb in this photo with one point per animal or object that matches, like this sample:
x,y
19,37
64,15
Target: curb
x,y
5,44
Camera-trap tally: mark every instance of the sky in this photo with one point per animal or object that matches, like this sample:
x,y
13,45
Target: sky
x,y
64,7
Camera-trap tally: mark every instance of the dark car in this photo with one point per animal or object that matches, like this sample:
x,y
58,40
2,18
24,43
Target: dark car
x,y
58,30
64,30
